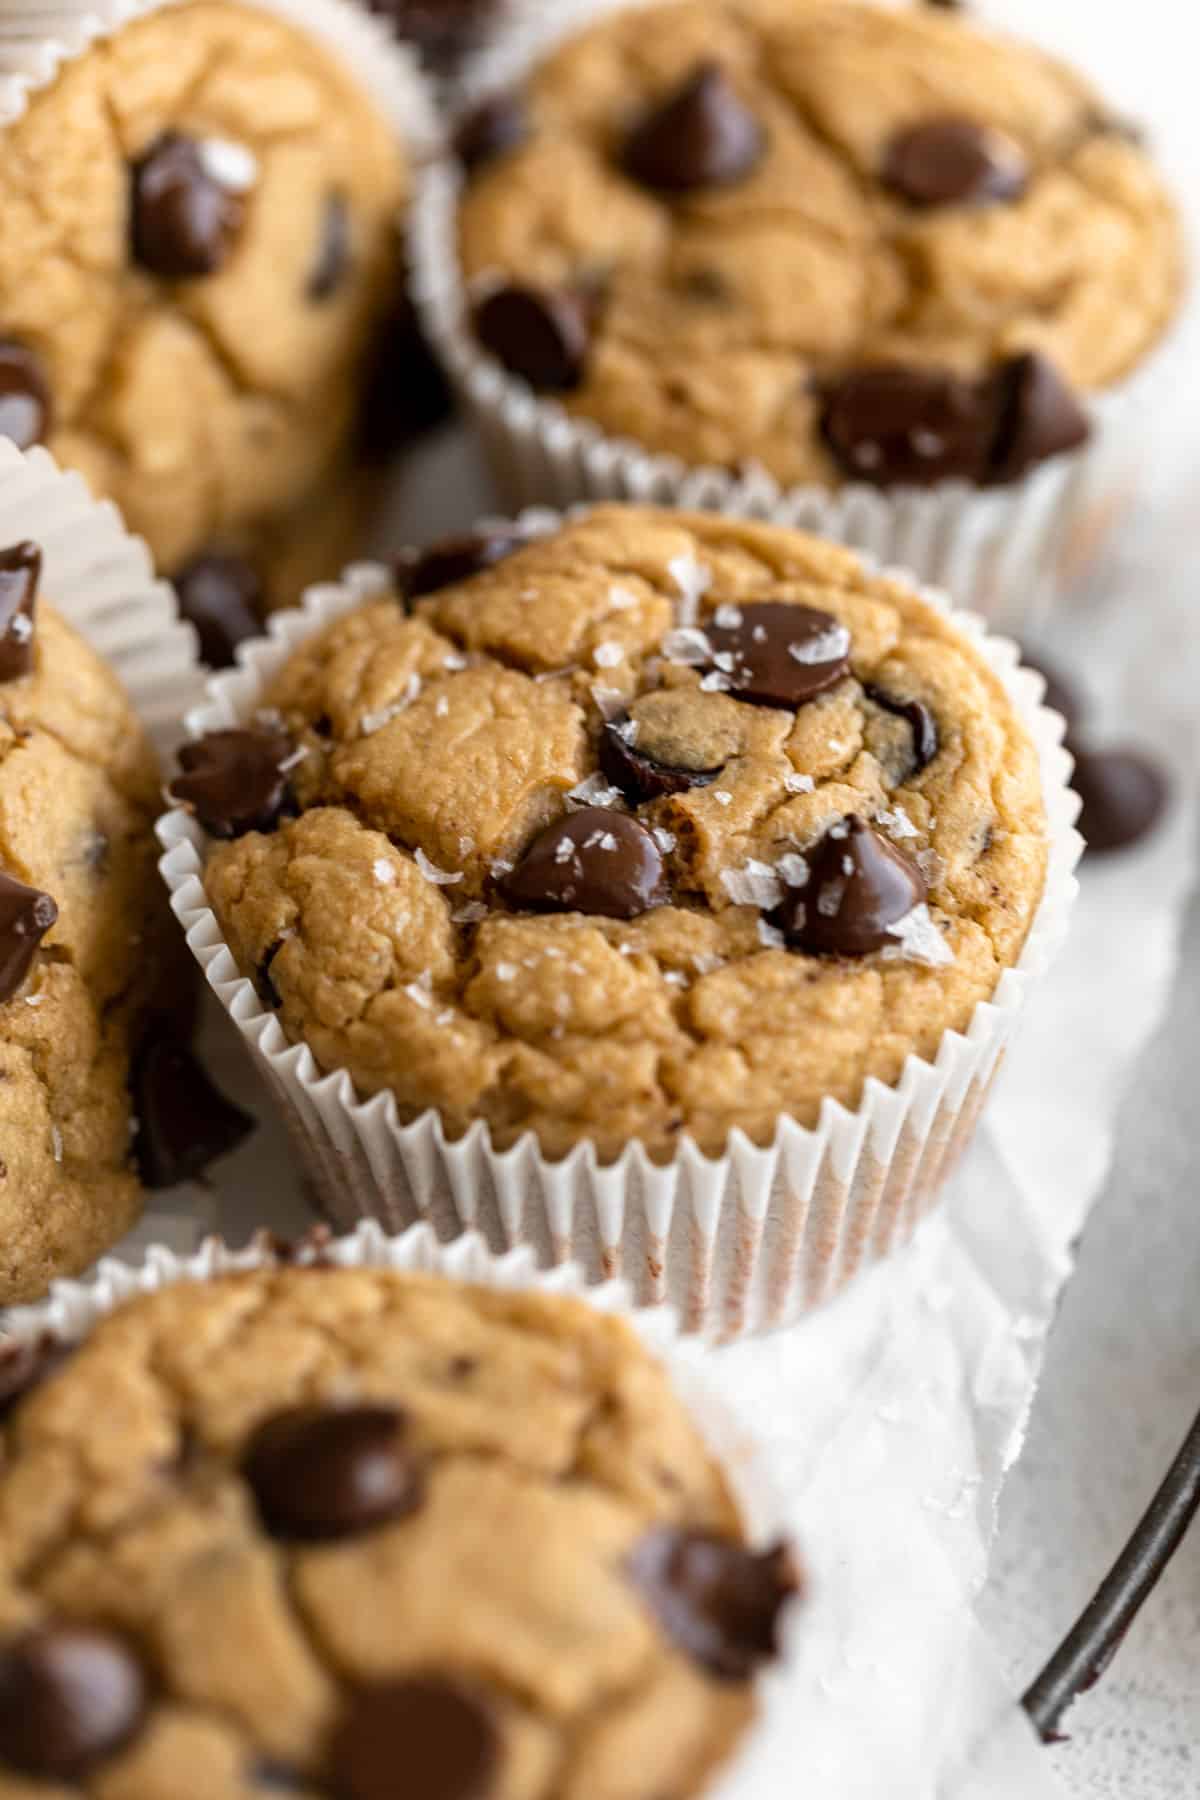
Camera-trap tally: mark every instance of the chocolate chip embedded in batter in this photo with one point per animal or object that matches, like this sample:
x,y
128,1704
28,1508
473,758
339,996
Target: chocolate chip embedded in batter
x,y
639,777
891,425
918,717
454,559
1039,417
954,162
859,886
440,1733
20,572
333,258
70,1695
24,395
773,654
718,1601
26,915
593,861
188,204
541,334
491,129
1124,794
325,1472
703,135
235,781
222,597
184,1123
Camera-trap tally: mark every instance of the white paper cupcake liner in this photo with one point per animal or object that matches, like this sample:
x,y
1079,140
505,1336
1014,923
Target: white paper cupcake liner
x,y
1006,552
102,580
764,1766
38,36
738,1243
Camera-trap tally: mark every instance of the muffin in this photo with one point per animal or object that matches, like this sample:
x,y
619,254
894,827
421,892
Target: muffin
x,y
870,256
83,939
656,889
257,1534
198,247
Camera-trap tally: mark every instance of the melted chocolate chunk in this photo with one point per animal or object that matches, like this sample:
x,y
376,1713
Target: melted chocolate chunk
x,y
26,915
719,1602
25,1366
405,391
20,572
184,1123
593,861
186,215
234,781
70,1695
1039,417
639,777
954,162
454,559
222,597
24,395
540,334
1124,794
440,1733
919,719
325,1472
701,136
333,256
859,886
491,129
778,655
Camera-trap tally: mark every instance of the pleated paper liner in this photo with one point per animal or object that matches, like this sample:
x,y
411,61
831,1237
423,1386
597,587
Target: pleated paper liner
x,y
737,1243
1006,552
763,1766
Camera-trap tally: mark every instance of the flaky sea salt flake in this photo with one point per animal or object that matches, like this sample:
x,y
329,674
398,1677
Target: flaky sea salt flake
x,y
757,884
919,940
431,872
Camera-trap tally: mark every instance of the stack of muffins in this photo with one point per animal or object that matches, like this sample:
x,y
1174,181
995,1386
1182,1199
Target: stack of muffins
x,y
654,886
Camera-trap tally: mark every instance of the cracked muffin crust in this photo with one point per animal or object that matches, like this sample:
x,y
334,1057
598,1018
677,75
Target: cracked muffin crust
x,y
660,824
839,241
83,930
264,1525
197,244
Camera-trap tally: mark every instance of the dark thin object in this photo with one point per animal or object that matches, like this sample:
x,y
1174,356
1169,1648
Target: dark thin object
x,y
1094,1640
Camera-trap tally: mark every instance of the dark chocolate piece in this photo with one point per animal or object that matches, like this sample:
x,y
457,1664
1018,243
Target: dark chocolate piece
x,y
70,1695
333,256
222,597
859,886
701,136
1124,794
954,162
494,127
593,861
540,334
718,1601
639,777
26,915
24,395
919,719
185,216
778,655
439,1733
184,1123
326,1472
20,572
235,781
453,559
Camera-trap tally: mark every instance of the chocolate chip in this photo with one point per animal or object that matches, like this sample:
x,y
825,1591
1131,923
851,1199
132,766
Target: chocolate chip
x,y
491,129
593,861
953,162
453,559
540,334
719,1602
919,719
1039,417
333,252
26,915
639,777
776,654
702,135
186,211
183,1122
25,1366
222,597
322,1472
443,31
405,391
859,886
70,1695
1124,794
234,781
439,1733
892,425
24,395
20,572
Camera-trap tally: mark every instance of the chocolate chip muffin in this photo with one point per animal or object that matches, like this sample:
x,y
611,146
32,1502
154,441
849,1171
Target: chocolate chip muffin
x,y
83,929
658,825
258,1533
198,225
845,243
